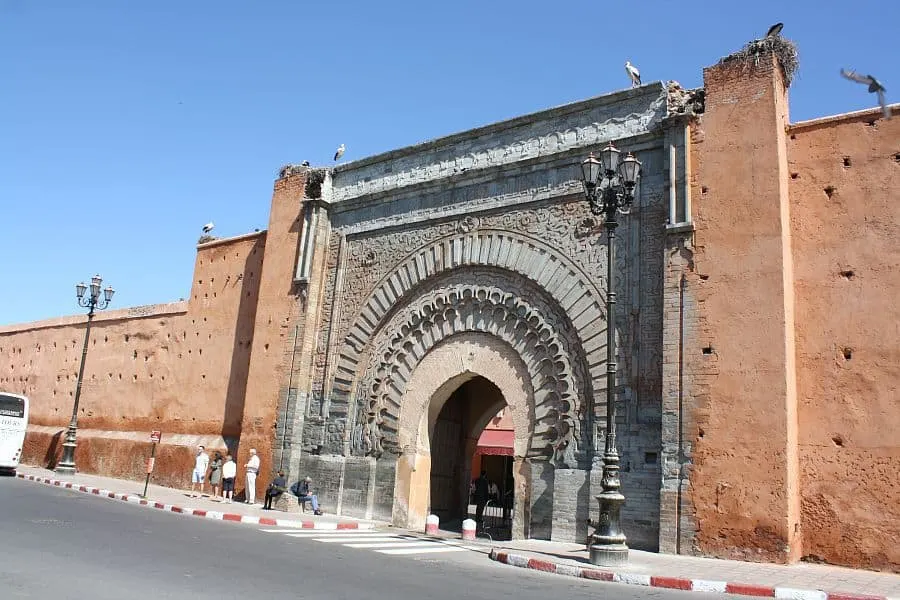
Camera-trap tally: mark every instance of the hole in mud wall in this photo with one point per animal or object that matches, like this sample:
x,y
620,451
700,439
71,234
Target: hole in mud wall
x,y
793,136
703,277
872,122
126,337
708,350
134,356
847,161
897,157
830,190
704,189
848,274
848,353
701,433
795,175
838,441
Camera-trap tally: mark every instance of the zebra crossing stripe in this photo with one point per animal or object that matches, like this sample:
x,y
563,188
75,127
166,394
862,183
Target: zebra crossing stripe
x,y
334,539
435,550
317,533
410,544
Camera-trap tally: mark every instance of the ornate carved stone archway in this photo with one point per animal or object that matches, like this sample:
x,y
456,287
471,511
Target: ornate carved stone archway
x,y
564,330
504,306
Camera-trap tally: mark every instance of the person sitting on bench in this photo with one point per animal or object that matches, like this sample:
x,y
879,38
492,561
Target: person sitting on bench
x,y
302,491
276,488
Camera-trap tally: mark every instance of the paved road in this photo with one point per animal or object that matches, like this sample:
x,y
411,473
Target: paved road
x,y
61,544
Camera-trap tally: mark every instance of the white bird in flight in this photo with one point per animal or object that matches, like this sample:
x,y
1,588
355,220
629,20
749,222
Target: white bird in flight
x,y
633,74
340,152
208,227
875,87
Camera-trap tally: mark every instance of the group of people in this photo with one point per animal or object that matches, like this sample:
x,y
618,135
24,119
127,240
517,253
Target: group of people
x,y
222,471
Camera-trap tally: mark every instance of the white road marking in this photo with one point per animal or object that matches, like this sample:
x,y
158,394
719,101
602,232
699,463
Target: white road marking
x,y
318,533
410,544
346,538
436,549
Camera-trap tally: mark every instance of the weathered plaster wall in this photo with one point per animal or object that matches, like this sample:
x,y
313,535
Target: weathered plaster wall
x,y
283,342
179,367
845,219
744,481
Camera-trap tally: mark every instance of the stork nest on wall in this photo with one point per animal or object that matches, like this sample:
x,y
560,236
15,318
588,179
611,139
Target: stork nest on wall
x,y
784,50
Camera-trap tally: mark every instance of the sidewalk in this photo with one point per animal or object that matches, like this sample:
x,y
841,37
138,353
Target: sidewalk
x,y
179,501
801,581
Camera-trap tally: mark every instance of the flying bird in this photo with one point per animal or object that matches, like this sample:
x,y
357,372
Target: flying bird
x,y
305,163
775,30
208,227
875,87
633,74
340,152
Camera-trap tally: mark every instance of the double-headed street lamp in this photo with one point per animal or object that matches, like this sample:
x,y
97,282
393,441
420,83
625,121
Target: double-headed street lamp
x,y
609,186
92,302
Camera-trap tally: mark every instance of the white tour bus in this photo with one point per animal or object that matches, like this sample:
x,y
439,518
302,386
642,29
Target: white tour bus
x,y
13,421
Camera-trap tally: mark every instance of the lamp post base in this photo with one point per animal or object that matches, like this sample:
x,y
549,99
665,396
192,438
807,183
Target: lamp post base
x,y
62,469
608,555
609,546
66,464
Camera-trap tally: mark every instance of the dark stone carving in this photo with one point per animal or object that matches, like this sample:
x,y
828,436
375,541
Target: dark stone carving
x,y
488,301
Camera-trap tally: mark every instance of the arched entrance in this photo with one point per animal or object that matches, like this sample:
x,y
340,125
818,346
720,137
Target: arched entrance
x,y
454,392
457,458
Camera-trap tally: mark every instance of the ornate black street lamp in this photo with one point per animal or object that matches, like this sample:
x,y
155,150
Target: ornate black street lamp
x,y
609,186
93,301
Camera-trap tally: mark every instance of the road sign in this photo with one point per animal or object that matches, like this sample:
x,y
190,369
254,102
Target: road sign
x,y
155,436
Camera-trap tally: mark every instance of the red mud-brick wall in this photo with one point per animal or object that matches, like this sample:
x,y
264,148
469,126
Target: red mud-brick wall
x,y
178,368
281,303
845,220
745,473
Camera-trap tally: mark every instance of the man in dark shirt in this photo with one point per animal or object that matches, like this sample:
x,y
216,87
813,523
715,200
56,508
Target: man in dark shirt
x,y
304,495
481,496
276,488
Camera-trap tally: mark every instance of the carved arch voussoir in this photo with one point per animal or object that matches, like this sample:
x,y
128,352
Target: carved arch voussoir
x,y
487,301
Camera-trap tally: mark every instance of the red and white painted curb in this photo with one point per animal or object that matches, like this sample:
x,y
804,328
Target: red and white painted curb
x,y
675,583
206,514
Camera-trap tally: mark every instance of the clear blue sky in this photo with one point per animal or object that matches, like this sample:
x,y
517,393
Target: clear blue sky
x,y
125,126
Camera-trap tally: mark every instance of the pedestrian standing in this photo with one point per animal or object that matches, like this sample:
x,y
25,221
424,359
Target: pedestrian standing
x,y
215,474
229,472
252,467
481,496
201,463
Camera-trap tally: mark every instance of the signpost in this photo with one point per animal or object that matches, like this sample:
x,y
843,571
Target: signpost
x,y
155,437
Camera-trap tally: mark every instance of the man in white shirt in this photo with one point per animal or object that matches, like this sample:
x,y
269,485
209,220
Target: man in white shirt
x,y
201,464
252,467
229,471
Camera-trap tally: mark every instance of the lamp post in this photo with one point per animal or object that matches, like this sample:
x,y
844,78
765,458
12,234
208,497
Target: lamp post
x,y
92,302
609,186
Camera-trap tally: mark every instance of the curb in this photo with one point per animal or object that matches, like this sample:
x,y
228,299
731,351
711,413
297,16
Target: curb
x,y
675,583
195,512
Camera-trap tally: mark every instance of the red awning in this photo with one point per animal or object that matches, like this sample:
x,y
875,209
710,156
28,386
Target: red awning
x,y
496,442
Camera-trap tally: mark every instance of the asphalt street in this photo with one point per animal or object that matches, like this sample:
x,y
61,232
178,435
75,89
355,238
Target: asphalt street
x,y
61,544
